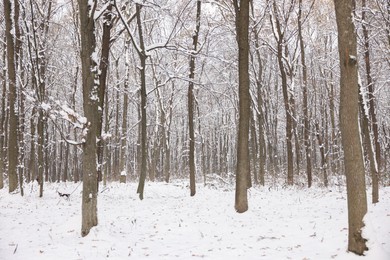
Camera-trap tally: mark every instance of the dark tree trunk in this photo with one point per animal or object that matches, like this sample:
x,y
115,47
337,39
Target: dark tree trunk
x,y
243,165
104,62
144,153
91,106
12,99
375,161
191,100
305,100
2,120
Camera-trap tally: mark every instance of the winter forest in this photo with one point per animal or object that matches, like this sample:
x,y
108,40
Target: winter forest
x,y
121,117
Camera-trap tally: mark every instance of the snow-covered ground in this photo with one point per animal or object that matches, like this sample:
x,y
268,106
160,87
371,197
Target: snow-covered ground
x,y
282,223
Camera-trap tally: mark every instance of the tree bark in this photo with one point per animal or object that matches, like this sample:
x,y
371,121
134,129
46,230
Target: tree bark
x,y
354,167
369,151
305,100
13,117
2,119
191,100
144,154
104,63
123,140
243,166
375,161
286,99
90,79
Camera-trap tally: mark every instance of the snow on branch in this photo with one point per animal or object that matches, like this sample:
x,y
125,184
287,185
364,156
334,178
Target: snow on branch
x,y
54,110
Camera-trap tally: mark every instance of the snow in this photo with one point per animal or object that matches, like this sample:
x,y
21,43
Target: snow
x,y
45,106
282,223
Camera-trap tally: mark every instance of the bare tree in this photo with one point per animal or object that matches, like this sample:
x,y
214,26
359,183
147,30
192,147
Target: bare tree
x,y
278,20
354,167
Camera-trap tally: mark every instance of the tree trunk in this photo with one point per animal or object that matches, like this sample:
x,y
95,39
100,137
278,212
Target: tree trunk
x,y
354,168
366,137
90,79
2,121
305,100
13,117
144,154
243,166
286,99
123,139
104,62
191,100
41,141
321,146
375,161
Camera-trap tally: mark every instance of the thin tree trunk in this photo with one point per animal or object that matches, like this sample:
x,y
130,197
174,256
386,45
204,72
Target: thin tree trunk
x,y
104,63
41,145
305,100
144,154
2,120
123,141
369,146
321,145
375,161
166,139
191,100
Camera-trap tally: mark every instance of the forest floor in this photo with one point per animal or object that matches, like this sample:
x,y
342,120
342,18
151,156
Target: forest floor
x,y
281,223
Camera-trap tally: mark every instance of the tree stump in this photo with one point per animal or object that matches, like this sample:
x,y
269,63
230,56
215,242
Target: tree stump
x,y
122,178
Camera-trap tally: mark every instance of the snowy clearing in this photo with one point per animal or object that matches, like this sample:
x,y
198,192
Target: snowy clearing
x,y
282,223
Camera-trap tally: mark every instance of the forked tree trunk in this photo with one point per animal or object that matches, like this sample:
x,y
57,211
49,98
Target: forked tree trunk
x,y
354,167
287,100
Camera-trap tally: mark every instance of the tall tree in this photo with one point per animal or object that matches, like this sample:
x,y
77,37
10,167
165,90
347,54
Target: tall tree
x,y
350,136
306,129
37,43
90,79
243,168
142,56
191,98
12,98
375,161
280,37
104,64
